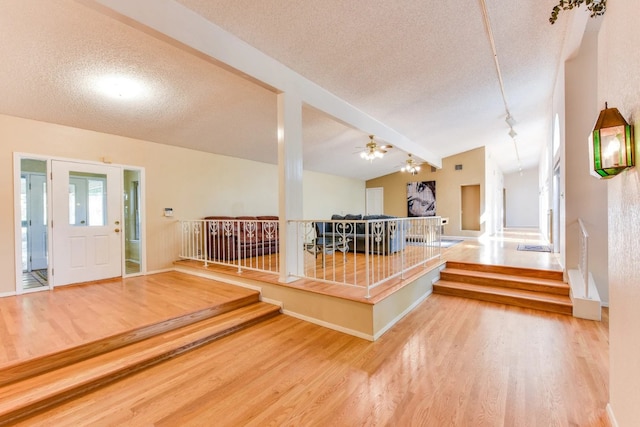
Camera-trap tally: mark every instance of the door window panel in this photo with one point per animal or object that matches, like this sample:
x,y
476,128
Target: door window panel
x,y
87,199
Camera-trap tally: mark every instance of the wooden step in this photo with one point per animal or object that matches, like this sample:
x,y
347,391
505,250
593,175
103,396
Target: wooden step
x,y
508,270
504,280
25,369
20,399
521,298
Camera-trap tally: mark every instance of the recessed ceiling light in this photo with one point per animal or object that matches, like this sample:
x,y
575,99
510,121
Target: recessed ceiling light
x,y
120,87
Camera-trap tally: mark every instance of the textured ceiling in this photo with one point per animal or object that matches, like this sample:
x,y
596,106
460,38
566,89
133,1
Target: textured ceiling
x,y
424,68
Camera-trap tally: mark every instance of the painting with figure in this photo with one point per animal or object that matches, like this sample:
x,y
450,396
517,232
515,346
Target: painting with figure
x,y
421,198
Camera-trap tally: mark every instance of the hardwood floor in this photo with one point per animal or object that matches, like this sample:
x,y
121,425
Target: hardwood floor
x,y
501,249
45,322
487,365
451,361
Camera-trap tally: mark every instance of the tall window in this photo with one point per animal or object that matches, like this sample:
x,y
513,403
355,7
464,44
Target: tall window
x,y
135,205
556,135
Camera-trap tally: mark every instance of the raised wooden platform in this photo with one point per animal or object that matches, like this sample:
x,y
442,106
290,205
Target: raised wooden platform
x,y
522,287
339,307
30,385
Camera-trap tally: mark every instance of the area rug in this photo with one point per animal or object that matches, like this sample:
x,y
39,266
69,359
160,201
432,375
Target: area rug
x,y
41,275
534,248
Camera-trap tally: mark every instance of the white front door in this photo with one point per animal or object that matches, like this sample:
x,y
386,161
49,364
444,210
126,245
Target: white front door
x,y
86,222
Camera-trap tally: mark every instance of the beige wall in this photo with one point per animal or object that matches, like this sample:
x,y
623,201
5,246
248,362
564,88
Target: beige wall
x,y
522,198
618,83
193,183
325,195
549,162
584,194
448,184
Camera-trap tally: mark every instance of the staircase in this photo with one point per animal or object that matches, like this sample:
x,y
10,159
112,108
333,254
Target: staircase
x,y
38,384
522,287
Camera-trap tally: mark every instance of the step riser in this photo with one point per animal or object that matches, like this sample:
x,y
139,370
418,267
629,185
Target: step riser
x,y
515,271
508,300
535,289
506,283
20,412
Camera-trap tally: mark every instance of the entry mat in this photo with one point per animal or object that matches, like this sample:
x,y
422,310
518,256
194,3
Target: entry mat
x,y
534,248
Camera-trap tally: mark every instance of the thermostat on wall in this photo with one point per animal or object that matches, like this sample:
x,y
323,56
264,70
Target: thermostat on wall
x,y
168,211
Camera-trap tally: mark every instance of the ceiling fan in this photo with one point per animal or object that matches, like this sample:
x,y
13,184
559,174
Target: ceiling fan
x,y
411,166
374,151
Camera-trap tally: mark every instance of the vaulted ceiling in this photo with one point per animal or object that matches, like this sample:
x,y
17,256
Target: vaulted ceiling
x,y
425,69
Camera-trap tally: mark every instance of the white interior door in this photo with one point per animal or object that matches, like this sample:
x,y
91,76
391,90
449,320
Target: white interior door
x,y
37,221
86,222
375,201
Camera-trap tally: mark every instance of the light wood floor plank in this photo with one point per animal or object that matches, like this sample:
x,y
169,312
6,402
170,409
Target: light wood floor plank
x,y
41,323
450,362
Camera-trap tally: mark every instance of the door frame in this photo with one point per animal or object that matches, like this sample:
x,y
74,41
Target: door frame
x,y
17,215
17,157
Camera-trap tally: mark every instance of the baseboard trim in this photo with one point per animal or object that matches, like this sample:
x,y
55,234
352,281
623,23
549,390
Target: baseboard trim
x,y
272,301
328,325
612,417
164,270
8,294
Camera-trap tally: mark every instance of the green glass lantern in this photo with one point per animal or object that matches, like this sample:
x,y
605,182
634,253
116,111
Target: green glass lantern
x,y
611,145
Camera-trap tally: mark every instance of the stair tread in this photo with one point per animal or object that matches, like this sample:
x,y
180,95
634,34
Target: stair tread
x,y
501,276
510,292
507,269
64,379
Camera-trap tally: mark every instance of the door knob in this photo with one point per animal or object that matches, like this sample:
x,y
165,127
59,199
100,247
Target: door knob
x,y
117,230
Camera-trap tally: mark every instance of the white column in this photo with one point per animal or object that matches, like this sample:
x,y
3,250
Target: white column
x,y
289,177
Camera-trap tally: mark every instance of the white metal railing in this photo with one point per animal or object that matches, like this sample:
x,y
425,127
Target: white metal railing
x,y
583,261
250,244
364,253
356,253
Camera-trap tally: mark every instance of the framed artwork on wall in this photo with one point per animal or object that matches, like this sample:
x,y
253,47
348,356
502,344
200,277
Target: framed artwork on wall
x,y
421,198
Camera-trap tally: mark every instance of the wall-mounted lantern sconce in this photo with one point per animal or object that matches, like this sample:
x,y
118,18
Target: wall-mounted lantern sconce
x,y
611,145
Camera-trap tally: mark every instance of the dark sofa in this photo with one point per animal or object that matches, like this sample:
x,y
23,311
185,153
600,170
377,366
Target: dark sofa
x,y
385,235
230,238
